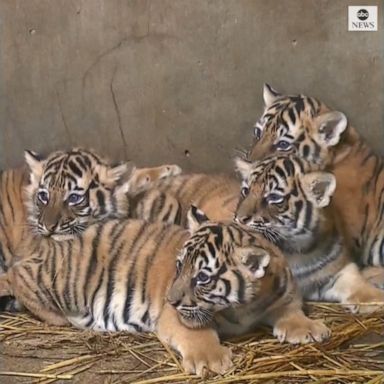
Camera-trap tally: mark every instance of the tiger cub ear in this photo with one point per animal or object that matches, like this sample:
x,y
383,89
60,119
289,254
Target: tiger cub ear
x,y
329,127
270,95
195,217
319,187
35,163
255,260
243,167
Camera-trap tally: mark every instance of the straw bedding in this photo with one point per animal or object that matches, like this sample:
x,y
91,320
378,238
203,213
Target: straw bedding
x,y
354,354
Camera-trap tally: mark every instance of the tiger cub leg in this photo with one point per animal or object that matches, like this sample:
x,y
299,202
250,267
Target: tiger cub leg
x,y
375,275
290,324
350,287
142,179
5,287
9,287
200,348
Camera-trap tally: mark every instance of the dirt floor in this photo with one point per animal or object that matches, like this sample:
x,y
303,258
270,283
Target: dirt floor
x,y
354,354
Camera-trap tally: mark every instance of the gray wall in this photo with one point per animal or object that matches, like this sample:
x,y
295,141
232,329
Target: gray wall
x,y
150,80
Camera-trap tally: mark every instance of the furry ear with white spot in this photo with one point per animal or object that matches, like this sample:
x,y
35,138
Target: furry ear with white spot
x,y
319,187
35,163
330,126
255,260
270,95
243,167
195,217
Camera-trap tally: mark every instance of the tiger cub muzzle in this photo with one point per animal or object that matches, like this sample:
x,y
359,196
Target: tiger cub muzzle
x,y
182,297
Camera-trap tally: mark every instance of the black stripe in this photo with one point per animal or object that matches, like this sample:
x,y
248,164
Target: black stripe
x,y
92,262
241,286
151,259
68,255
75,169
292,115
130,278
308,214
100,201
113,261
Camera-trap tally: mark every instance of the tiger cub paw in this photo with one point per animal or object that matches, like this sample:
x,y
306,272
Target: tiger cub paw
x,y
374,275
365,296
171,170
301,331
201,359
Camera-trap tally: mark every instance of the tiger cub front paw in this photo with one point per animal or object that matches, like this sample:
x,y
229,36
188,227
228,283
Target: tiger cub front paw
x,y
360,300
199,359
301,330
374,275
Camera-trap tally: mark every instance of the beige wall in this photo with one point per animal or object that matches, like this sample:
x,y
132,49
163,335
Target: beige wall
x,y
149,80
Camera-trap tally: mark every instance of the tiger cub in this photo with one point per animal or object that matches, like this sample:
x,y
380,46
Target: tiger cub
x,y
234,279
290,205
60,195
305,126
120,275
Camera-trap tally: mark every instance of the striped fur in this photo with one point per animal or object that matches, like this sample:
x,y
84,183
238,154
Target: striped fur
x,y
113,277
105,191
214,194
324,137
235,279
13,223
119,275
289,203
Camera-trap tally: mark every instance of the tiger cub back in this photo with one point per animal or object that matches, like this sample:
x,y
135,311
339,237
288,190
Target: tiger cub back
x,y
214,194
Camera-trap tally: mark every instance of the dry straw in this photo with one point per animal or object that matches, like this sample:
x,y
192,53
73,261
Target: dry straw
x,y
354,354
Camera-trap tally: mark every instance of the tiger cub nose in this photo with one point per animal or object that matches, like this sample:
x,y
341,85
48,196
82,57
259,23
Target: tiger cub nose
x,y
51,227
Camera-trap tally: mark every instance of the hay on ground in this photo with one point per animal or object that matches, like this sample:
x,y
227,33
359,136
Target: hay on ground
x,y
354,354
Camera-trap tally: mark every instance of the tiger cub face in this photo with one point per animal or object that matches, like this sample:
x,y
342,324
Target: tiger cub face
x,y
283,198
220,266
297,124
69,190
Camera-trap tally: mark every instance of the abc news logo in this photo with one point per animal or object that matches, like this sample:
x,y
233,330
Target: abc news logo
x,y
362,18
362,14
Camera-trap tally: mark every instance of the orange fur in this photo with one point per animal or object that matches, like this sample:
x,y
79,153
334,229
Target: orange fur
x,y
324,138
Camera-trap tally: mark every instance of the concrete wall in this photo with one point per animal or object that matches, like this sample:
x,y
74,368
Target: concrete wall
x,y
175,80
